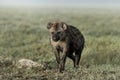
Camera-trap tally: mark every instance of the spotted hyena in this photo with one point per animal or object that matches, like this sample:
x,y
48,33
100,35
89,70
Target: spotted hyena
x,y
67,41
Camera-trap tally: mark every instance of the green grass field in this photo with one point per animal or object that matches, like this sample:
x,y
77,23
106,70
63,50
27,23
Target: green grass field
x,y
23,34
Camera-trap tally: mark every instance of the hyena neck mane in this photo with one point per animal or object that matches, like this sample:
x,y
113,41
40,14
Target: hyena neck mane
x,y
74,35
70,33
63,36
73,31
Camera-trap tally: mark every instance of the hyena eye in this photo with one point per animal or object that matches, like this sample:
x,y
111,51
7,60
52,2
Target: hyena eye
x,y
52,32
58,32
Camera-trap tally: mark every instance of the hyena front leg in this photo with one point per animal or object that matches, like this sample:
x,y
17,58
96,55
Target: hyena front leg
x,y
63,60
62,63
57,55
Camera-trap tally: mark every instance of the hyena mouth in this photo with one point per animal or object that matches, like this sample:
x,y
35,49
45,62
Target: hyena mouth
x,y
55,39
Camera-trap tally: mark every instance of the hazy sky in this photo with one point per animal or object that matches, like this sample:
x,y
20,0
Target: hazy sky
x,y
113,3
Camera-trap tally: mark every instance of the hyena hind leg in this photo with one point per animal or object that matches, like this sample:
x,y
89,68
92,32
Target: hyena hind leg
x,y
72,57
77,57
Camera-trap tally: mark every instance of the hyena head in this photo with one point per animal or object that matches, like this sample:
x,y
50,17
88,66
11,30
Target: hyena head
x,y
56,30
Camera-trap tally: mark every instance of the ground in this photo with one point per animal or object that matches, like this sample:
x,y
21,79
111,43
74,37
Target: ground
x,y
23,34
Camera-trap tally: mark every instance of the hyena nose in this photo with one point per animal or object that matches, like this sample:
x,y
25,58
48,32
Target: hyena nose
x,y
55,38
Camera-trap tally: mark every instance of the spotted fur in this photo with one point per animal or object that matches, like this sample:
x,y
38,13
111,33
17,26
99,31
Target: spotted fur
x,y
66,39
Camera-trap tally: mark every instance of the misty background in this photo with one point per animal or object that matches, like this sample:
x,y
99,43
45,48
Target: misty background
x,y
62,3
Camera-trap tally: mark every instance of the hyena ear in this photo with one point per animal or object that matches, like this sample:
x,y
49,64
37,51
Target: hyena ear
x,y
64,26
49,25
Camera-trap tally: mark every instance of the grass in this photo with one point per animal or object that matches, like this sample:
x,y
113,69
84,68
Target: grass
x,y
23,34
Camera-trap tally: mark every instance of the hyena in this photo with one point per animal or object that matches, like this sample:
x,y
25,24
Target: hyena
x,y
67,41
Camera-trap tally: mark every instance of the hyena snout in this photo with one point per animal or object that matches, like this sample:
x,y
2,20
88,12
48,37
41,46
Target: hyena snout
x,y
56,37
